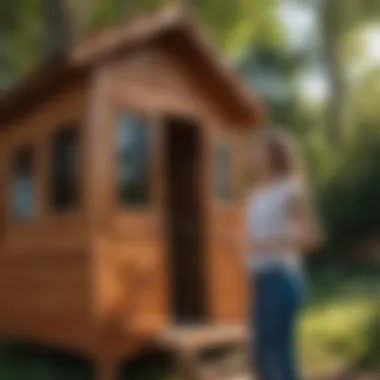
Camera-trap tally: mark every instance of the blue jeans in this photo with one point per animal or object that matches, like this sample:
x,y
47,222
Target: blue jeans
x,y
277,294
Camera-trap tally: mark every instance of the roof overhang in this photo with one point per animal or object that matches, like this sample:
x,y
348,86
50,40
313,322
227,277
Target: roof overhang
x,y
168,23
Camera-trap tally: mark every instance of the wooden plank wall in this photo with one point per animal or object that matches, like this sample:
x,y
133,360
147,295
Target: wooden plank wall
x,y
229,280
44,298
44,272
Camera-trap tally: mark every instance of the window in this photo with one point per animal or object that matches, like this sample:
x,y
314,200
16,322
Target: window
x,y
222,170
23,185
64,168
132,156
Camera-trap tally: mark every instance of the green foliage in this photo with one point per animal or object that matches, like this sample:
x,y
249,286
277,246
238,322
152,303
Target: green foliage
x,y
233,23
21,32
100,13
350,198
348,179
338,326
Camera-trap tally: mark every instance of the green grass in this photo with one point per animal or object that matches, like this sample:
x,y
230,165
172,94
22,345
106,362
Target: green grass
x,y
335,327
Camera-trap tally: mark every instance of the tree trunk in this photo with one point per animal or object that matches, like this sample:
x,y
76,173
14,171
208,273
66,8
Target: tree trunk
x,y
80,16
58,27
331,26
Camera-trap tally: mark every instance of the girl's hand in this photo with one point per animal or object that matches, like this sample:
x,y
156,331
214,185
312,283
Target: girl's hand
x,y
307,230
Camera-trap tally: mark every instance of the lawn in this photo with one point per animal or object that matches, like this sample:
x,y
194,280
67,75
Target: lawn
x,y
336,325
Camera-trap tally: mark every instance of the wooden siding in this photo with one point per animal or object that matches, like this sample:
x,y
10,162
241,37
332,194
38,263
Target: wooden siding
x,y
46,298
44,272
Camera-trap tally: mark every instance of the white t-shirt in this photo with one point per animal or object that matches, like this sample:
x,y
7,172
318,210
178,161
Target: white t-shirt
x,y
267,215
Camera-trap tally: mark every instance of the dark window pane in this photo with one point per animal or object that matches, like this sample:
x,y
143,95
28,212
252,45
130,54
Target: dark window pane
x,y
65,169
222,162
132,151
23,185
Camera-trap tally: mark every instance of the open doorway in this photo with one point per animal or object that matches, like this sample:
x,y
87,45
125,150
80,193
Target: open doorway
x,y
185,219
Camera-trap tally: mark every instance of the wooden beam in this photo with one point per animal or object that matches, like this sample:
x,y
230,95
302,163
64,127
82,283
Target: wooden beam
x,y
107,369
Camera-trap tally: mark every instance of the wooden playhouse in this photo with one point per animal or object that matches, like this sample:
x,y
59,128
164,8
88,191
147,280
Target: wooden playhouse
x,y
120,166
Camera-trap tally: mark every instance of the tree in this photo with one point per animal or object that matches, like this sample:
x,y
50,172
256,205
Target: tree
x,y
331,20
21,30
338,21
58,26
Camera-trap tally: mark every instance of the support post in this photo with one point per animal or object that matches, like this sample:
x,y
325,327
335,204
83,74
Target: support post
x,y
107,369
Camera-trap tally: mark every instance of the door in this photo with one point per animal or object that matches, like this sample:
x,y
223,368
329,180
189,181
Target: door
x,y
185,219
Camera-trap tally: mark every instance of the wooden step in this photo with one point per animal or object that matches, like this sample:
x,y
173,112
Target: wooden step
x,y
208,352
203,336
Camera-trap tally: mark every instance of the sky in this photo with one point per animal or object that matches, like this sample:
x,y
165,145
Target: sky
x,y
302,29
300,22
371,38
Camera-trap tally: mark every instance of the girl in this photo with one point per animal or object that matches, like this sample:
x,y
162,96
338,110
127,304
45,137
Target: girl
x,y
281,225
